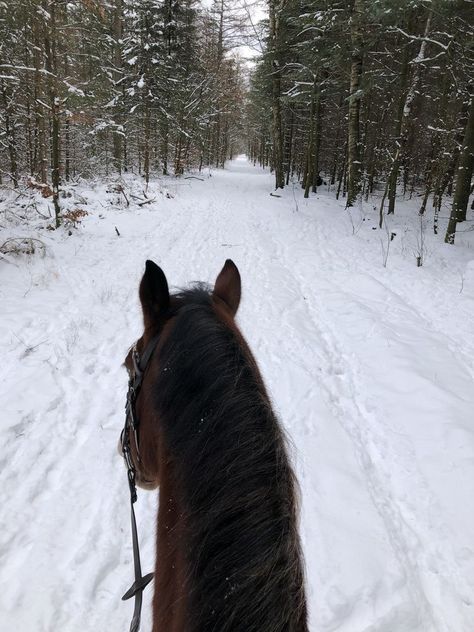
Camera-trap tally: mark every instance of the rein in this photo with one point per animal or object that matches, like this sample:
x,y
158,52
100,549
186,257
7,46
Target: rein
x,y
131,425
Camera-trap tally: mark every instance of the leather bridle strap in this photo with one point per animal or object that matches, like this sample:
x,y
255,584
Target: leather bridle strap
x,y
140,583
146,355
131,423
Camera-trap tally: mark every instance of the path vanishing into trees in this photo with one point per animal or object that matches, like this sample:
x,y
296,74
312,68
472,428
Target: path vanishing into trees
x,y
369,368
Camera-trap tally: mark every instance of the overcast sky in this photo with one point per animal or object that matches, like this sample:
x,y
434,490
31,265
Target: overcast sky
x,y
257,10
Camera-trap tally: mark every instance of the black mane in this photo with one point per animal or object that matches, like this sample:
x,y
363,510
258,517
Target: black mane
x,y
234,477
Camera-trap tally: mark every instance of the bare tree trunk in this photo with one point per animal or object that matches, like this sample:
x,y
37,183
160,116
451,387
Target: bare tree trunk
x,y
178,165
372,159
275,9
146,144
406,115
10,133
165,146
39,152
67,133
336,144
463,179
342,174
317,139
225,143
446,177
67,149
117,30
353,142
289,152
311,157
51,67
28,91
308,174
430,172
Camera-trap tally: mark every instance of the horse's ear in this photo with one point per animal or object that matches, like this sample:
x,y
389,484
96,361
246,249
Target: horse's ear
x,y
228,287
154,292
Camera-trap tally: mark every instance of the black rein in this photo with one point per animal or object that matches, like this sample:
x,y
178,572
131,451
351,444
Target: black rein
x,y
140,365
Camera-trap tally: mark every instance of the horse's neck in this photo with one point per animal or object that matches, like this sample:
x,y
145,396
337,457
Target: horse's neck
x,y
169,605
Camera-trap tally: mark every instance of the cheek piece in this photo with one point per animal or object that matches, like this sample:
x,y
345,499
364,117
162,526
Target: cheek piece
x,y
140,364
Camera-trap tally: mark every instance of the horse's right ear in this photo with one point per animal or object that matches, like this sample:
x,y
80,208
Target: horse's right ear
x,y
154,293
228,286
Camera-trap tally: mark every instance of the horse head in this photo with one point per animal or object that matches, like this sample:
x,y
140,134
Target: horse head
x,y
159,310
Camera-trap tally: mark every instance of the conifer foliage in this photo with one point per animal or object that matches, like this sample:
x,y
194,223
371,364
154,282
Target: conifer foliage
x,y
368,96
90,87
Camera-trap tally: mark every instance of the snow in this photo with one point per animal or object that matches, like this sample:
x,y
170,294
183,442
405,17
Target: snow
x,y
74,90
370,369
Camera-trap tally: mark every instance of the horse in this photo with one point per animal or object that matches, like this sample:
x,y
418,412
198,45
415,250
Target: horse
x,y
228,556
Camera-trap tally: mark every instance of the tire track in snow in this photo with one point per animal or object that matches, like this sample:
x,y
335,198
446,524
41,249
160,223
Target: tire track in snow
x,y
63,439
326,356
77,488
372,449
339,384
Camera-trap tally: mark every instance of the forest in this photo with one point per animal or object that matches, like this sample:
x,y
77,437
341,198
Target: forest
x,y
242,233
364,96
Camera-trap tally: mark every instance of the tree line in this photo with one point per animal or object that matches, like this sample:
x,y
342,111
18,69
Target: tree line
x,y
90,87
373,96
369,94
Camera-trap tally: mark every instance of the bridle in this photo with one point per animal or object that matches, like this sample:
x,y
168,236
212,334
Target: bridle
x,y
140,364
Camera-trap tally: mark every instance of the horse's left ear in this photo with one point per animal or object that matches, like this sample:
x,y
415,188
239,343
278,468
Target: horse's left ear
x,y
228,286
154,292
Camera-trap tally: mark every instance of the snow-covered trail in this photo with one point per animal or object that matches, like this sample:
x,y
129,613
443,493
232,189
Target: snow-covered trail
x,y
370,369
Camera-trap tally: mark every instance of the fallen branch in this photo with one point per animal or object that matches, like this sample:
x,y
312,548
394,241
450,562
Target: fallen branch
x,y
42,214
142,201
116,187
23,246
126,198
146,202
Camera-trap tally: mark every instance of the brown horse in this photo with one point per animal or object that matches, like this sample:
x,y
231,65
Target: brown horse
x,y
228,551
